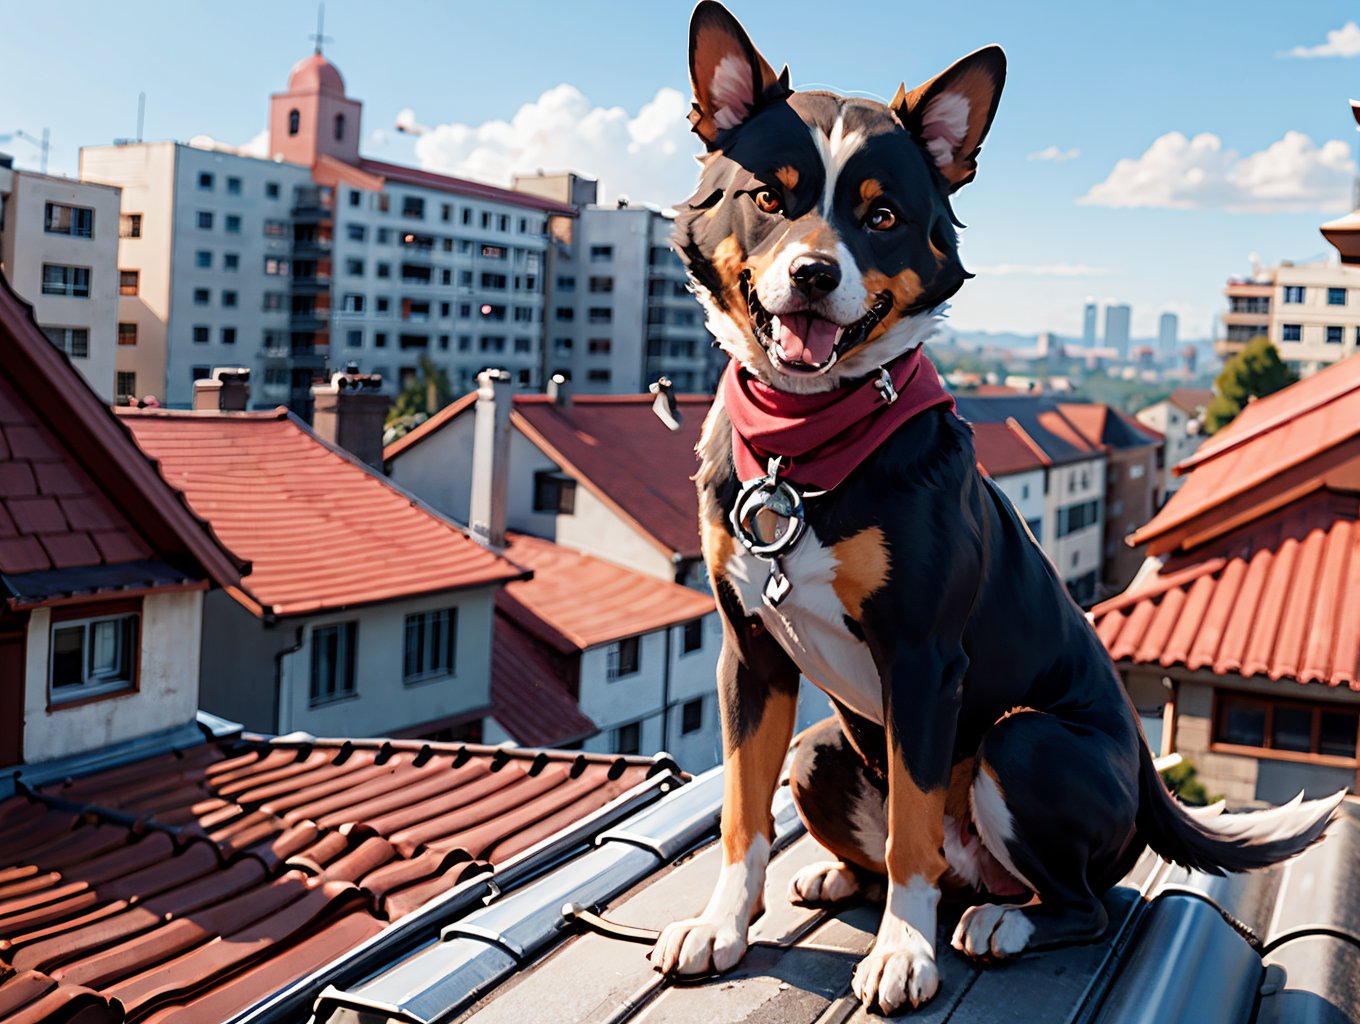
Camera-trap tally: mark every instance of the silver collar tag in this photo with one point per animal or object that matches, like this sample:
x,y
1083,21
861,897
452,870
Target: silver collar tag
x,y
768,519
886,391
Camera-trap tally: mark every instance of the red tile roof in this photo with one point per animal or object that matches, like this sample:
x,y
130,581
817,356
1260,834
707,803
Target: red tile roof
x,y
1107,425
186,888
322,529
74,490
1277,443
1003,448
1191,400
575,601
528,696
615,446
1278,598
462,186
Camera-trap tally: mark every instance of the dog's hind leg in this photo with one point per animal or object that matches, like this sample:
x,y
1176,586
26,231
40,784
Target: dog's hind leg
x,y
842,805
1055,804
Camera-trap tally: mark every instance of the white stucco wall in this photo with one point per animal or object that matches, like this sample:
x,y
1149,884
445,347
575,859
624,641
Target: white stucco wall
x,y
382,703
167,694
1026,491
1073,484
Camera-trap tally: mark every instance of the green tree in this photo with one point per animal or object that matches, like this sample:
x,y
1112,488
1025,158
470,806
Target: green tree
x,y
428,392
1254,372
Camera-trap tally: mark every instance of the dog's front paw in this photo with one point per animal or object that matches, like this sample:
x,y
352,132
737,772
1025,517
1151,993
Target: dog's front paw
x,y
889,978
990,930
827,881
698,946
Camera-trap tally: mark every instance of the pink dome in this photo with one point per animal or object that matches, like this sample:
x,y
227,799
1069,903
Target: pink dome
x,y
315,74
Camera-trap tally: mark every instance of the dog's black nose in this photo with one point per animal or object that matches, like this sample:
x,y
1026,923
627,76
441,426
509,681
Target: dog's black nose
x,y
815,275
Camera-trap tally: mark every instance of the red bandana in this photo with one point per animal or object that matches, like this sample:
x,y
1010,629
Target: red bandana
x,y
824,436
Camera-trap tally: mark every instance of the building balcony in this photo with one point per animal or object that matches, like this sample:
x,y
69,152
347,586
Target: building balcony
x,y
308,320
311,283
1261,321
1224,349
304,248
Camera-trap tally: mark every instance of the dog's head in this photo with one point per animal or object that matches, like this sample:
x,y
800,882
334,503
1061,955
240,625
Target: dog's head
x,y
821,236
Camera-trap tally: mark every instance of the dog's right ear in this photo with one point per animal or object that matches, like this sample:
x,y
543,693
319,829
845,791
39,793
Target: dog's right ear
x,y
731,79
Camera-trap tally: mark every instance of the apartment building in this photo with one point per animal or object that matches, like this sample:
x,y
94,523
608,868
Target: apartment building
x,y
59,251
319,257
1309,311
1179,418
620,313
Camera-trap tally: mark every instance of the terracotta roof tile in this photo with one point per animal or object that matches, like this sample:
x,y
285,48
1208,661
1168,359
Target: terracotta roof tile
x,y
257,864
462,186
299,510
1278,598
1002,450
528,696
622,603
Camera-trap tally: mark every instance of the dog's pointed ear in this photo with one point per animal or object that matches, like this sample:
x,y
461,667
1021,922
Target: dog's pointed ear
x,y
731,79
950,114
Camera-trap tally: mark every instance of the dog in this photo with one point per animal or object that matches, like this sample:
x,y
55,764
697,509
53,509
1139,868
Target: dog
x,y
982,743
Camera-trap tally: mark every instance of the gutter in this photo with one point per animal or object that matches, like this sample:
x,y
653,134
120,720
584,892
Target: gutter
x,y
279,655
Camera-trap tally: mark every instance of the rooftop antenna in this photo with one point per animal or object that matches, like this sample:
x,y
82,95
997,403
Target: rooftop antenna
x,y
141,114
320,36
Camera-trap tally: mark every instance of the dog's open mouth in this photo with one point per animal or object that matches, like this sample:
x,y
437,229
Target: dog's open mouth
x,y
801,343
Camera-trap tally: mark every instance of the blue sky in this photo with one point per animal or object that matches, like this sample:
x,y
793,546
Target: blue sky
x,y
598,87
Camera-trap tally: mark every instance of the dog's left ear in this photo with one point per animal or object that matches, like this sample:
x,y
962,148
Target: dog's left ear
x,y
951,113
731,79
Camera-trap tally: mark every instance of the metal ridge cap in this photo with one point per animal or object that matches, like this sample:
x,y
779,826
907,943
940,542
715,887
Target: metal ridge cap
x,y
115,755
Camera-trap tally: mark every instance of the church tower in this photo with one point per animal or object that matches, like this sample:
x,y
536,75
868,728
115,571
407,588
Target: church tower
x,y
314,115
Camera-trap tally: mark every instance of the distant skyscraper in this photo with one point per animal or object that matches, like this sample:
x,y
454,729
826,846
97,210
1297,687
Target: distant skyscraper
x,y
1117,329
1088,325
1167,329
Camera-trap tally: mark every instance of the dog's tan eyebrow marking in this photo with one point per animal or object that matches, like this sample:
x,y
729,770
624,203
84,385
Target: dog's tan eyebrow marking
x,y
862,568
788,177
870,189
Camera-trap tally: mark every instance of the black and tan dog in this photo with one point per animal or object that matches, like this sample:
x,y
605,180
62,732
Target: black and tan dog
x,y
983,742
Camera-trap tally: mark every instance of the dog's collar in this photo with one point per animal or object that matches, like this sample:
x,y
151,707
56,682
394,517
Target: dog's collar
x,y
821,438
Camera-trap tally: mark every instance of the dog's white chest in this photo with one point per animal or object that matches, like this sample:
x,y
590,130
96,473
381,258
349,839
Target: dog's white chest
x,y
809,622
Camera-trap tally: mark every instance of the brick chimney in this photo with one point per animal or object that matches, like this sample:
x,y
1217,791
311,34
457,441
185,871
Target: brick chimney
x,y
349,412
491,457
227,390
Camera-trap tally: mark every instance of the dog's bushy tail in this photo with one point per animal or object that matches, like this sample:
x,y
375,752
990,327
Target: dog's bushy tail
x,y
1206,839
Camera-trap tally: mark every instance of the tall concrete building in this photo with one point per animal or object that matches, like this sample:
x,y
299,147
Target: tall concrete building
x,y
1117,329
1168,328
1088,324
320,257
59,252
620,313
1310,311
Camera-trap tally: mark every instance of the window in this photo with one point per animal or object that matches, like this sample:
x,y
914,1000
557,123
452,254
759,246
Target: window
x,y
205,181
294,122
523,344
128,281
467,215
1336,296
445,212
273,301
74,341
353,303
495,282
692,716
444,342
1287,727
59,279
380,339
271,189
92,655
383,269
201,334
599,376
564,314
1291,332
1078,517
1334,335
1293,293
493,252
600,285
554,492
228,335
493,343
75,221
429,645
339,127
382,202
233,186
384,236
566,283
622,659
628,738
354,339
130,225
203,259
127,334
202,296
125,382
356,232
692,636
205,220
233,224
600,315
354,267
464,343
384,305
601,253
413,206
333,662
599,346
275,228
275,267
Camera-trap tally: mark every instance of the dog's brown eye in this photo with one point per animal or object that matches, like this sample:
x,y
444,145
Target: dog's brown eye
x,y
881,219
768,201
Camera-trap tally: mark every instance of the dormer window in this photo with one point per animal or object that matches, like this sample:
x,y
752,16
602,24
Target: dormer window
x,y
339,127
294,122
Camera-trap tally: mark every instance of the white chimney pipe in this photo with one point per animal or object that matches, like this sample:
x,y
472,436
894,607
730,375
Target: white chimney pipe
x,y
491,457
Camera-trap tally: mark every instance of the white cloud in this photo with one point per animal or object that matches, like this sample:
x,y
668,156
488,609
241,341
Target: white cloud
x,y
1290,175
646,155
257,146
1341,42
1043,270
378,138
1055,154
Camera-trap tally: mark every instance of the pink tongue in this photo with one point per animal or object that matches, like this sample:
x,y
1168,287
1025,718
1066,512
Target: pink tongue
x,y
806,338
